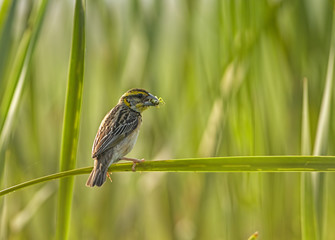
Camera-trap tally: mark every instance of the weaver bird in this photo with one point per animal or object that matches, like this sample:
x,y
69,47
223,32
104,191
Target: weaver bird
x,y
118,133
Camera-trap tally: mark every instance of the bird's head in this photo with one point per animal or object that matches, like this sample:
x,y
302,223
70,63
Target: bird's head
x,y
139,99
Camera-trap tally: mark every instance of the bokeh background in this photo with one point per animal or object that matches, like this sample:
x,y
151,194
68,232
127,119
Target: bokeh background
x,y
231,74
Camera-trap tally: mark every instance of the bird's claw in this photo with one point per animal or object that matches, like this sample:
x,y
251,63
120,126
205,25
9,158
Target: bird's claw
x,y
109,176
134,163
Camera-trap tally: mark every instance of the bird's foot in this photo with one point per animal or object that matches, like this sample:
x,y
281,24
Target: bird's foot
x,y
109,176
134,160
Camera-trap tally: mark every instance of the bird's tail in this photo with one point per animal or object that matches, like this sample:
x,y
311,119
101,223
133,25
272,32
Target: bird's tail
x,y
98,174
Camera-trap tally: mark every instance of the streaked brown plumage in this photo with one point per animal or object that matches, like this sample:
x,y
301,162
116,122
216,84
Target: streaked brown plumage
x,y
118,133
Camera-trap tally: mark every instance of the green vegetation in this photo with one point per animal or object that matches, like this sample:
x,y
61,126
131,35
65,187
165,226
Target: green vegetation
x,y
71,124
231,74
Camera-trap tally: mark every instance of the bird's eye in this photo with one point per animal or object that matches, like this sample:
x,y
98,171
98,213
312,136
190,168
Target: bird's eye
x,y
140,95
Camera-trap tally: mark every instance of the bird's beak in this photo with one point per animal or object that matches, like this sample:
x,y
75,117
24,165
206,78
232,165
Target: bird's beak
x,y
151,100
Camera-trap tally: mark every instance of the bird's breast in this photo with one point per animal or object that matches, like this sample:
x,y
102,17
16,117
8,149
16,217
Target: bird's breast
x,y
127,144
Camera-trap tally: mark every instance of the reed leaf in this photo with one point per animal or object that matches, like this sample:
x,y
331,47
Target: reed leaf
x,y
321,139
17,78
308,215
71,119
215,164
3,13
305,131
7,14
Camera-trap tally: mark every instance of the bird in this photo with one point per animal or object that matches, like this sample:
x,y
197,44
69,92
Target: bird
x,y
118,133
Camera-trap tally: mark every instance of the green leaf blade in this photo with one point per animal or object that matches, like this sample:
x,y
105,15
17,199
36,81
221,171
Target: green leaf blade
x,y
215,164
307,207
71,119
17,77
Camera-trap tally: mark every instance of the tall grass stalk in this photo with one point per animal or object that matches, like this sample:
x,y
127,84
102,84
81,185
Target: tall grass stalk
x,y
4,13
308,215
321,139
71,119
17,78
7,22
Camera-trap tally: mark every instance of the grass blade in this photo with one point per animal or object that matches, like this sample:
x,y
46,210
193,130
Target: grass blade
x,y
7,15
18,73
71,119
3,13
320,145
12,94
305,132
215,164
321,139
308,215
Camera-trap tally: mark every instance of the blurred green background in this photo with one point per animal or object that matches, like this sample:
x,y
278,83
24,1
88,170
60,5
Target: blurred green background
x,y
231,75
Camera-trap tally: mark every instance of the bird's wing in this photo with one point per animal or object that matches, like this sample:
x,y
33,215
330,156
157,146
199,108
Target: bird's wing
x,y
117,125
